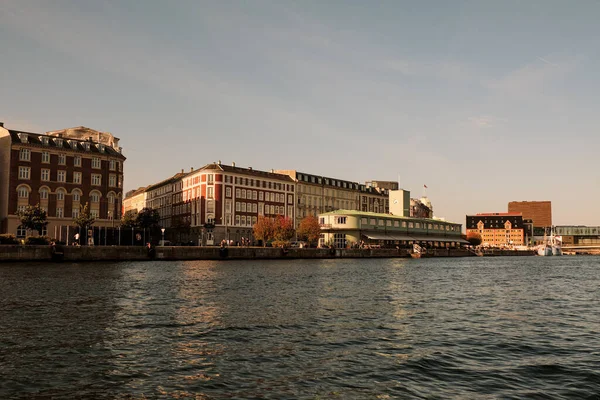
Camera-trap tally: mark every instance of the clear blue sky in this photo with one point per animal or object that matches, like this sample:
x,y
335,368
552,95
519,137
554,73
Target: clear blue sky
x,y
483,101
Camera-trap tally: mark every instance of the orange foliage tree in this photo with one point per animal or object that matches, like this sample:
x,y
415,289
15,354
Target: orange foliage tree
x,y
474,238
309,229
264,229
283,229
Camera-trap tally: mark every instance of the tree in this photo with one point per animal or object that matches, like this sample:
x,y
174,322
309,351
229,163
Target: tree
x,y
129,219
33,218
84,219
283,229
309,229
474,238
263,229
148,218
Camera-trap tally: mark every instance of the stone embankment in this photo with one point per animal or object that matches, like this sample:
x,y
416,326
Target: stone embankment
x,y
137,253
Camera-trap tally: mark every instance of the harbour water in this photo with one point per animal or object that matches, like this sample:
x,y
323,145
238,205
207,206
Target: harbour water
x,y
522,327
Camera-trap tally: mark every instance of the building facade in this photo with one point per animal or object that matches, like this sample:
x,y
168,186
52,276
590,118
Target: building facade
x,y
225,201
135,200
578,235
159,197
318,194
61,171
540,212
347,228
498,229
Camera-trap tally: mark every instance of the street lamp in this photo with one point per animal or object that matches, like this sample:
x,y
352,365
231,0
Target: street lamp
x,y
163,235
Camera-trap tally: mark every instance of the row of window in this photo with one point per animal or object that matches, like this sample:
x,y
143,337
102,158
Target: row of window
x,y
61,176
95,196
60,212
113,165
404,224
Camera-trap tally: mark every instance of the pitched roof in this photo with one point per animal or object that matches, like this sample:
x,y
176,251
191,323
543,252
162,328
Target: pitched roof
x,y
35,139
247,171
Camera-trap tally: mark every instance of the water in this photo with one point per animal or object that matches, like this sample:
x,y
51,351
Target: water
x,y
522,327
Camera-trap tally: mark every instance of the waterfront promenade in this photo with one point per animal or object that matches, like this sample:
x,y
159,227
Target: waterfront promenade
x,y
139,253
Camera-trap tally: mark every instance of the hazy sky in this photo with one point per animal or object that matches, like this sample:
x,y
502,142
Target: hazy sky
x,y
485,102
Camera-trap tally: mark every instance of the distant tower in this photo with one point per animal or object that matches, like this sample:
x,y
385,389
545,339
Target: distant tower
x,y
400,202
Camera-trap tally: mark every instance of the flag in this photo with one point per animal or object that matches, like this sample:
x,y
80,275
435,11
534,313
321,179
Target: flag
x,y
425,186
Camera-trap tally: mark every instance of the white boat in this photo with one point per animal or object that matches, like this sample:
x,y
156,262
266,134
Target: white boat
x,y
552,245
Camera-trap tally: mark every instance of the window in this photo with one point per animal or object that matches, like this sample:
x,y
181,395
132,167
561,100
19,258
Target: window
x,y
112,165
290,199
43,193
341,220
59,212
119,166
243,207
75,213
25,155
24,172
62,159
237,219
76,195
254,207
45,157
45,174
243,193
77,161
96,162
95,197
111,198
21,231
96,179
237,193
61,176
260,196
228,192
94,213
381,222
254,195
237,206
243,222
23,192
112,181
77,177
60,195
364,221
210,192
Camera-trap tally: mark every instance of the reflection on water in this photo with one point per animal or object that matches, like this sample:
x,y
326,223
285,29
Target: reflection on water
x,y
468,328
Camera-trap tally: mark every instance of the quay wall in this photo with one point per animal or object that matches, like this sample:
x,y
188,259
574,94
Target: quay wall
x,y
138,253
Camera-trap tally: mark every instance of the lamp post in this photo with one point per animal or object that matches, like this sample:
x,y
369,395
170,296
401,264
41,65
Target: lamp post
x,y
163,235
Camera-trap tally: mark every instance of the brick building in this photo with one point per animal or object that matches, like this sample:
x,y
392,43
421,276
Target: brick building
x,y
540,212
498,229
61,171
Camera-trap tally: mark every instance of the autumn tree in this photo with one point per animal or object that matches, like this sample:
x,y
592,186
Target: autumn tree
x,y
263,229
85,218
283,229
474,238
33,218
309,229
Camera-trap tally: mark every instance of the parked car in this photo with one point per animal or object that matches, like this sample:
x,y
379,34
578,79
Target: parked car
x,y
298,244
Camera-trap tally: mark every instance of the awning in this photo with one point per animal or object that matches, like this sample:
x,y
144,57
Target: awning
x,y
378,236
439,239
400,237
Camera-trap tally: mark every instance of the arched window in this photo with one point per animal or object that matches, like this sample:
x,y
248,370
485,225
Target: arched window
x,y
95,197
60,194
23,192
76,195
44,193
111,198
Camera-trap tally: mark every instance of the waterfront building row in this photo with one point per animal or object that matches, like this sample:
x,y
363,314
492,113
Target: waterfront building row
x,y
61,171
220,201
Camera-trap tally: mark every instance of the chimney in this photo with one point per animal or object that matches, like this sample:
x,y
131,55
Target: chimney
x,y
1,124
219,162
191,169
233,164
182,170
250,168
272,171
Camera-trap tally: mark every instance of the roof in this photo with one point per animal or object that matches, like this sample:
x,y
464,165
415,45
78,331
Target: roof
x,y
135,192
35,140
494,221
507,214
383,215
171,179
247,171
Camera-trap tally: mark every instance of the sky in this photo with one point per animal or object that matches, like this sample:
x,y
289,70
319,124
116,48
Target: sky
x,y
485,102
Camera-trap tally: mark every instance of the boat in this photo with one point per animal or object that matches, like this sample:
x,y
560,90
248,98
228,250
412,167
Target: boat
x,y
552,245
416,253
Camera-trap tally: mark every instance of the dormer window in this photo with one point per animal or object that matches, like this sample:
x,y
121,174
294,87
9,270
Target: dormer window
x,y
45,140
101,148
24,137
87,146
59,142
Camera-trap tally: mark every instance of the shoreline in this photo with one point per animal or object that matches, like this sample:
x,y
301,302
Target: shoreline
x,y
12,253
